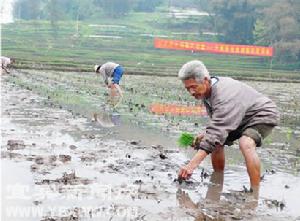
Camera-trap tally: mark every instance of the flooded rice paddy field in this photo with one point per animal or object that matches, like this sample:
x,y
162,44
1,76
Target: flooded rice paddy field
x,y
60,164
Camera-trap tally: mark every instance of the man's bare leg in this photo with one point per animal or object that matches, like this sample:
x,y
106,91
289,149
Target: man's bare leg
x,y
218,159
248,146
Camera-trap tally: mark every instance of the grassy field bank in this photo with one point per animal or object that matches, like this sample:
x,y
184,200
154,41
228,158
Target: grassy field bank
x,y
77,47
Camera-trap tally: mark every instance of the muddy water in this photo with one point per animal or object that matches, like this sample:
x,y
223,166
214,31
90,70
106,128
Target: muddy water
x,y
72,168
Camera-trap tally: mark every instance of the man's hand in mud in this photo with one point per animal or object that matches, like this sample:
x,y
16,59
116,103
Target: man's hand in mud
x,y
185,173
197,141
187,170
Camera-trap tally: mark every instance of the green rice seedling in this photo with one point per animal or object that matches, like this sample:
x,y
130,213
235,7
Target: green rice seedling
x,y
289,134
185,140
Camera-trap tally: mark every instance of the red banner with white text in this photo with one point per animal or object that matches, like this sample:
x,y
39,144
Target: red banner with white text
x,y
174,109
216,48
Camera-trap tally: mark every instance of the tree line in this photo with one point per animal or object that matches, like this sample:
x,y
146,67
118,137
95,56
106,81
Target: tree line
x,y
80,9
260,22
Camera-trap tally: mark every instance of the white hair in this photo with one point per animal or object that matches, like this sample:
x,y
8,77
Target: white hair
x,y
193,69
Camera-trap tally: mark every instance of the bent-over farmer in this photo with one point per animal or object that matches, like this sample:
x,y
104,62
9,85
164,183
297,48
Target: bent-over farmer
x,y
236,111
5,64
111,74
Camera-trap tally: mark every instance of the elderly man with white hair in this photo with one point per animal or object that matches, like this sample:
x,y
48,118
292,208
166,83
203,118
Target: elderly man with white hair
x,y
236,111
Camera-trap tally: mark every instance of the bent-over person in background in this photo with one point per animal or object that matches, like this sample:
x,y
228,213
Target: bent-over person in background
x,y
5,64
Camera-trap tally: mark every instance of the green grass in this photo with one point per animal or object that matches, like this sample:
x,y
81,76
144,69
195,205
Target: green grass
x,y
34,45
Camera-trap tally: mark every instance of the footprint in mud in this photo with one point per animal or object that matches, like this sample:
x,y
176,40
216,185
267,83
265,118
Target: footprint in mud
x,y
43,164
15,145
112,168
158,147
89,158
10,155
90,136
48,160
34,168
127,164
134,142
64,158
73,147
66,179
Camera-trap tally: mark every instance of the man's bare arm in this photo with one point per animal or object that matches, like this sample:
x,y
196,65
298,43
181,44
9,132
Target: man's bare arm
x,y
186,171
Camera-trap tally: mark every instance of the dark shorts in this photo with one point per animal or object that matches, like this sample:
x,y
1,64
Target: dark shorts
x,y
256,132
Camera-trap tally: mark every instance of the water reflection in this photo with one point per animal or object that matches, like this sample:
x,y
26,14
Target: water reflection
x,y
107,119
215,187
218,205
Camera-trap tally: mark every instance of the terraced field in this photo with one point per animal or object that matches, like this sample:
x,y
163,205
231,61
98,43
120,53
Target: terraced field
x,y
77,47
